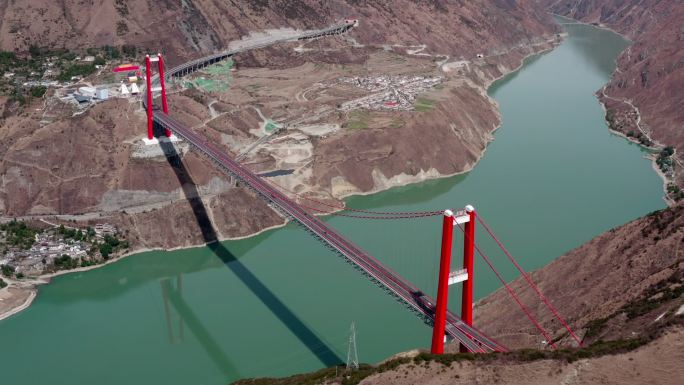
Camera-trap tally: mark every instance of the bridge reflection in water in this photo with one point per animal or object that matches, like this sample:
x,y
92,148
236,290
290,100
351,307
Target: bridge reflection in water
x,y
174,321
288,318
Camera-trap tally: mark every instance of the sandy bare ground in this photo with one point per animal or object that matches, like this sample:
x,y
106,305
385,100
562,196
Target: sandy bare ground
x,y
15,298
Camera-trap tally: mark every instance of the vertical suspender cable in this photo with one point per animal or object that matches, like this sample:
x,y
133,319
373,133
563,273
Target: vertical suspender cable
x,y
514,296
531,283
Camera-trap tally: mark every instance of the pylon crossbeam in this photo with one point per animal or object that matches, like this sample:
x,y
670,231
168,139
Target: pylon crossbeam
x,y
458,276
460,219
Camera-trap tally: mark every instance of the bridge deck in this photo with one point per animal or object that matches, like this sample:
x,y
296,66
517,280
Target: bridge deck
x,y
471,338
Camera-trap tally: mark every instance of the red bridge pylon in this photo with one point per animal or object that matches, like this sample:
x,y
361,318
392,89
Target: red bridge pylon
x,y
448,277
150,90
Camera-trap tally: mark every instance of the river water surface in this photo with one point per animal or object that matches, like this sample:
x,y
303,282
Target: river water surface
x,y
280,302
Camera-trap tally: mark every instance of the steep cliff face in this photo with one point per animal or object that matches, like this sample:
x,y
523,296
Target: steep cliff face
x,y
646,93
185,27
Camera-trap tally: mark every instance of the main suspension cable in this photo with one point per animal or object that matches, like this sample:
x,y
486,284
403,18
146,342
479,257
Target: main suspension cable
x,y
345,208
408,216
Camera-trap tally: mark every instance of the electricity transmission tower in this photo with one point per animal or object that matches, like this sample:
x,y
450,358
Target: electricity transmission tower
x,y
352,354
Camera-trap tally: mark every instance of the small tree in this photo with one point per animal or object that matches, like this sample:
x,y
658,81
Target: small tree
x,y
111,52
38,92
65,262
129,50
69,56
7,270
35,50
113,241
106,249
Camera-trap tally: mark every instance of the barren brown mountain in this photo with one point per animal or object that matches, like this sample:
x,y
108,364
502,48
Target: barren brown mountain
x,y
185,27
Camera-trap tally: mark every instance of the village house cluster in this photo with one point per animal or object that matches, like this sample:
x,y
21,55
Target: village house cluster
x,y
49,73
50,246
388,92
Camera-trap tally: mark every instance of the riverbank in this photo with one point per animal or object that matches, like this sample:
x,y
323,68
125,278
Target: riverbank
x,y
652,157
29,287
601,95
579,22
654,147
403,179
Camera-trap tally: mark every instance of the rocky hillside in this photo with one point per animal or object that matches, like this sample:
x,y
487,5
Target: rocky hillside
x,y
85,167
185,27
625,367
646,94
89,166
618,285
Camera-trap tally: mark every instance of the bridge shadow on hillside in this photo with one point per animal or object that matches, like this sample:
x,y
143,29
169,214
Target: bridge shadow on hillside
x,y
315,345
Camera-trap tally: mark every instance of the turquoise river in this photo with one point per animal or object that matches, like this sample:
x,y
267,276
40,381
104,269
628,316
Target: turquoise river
x,y
280,302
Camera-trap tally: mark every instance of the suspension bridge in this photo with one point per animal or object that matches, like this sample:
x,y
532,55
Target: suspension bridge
x,y
446,324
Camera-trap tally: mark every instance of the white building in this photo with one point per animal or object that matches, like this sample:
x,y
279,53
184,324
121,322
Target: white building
x,y
87,91
59,247
102,229
102,93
